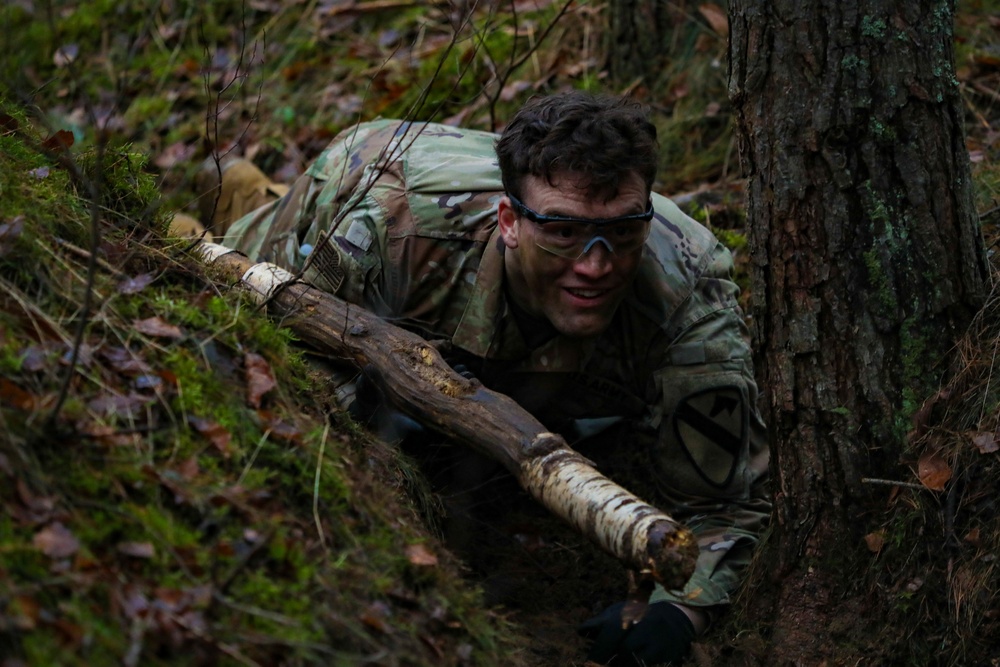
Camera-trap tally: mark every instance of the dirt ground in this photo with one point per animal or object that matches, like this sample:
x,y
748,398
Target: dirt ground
x,y
529,563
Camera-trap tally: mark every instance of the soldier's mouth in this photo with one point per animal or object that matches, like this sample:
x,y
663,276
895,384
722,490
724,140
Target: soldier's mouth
x,y
588,297
586,293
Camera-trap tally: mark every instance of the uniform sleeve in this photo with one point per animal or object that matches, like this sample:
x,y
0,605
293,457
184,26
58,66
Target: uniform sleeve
x,y
711,444
328,222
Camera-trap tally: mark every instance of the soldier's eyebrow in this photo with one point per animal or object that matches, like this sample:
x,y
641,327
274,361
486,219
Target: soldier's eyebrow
x,y
558,212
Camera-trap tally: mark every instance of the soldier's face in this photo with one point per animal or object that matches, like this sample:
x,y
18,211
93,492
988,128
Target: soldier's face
x,y
578,296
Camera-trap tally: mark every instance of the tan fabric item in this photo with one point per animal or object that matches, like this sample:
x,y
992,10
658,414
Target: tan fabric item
x,y
244,188
187,227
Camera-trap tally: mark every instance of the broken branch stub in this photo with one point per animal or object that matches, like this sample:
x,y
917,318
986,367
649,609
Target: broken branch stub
x,y
419,382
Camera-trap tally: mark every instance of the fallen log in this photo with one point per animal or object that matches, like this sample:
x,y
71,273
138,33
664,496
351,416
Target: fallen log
x,y
419,382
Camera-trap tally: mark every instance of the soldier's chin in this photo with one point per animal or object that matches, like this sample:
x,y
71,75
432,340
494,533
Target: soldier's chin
x,y
588,326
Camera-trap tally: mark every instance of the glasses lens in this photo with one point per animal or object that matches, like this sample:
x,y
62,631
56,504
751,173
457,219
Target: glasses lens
x,y
570,239
627,236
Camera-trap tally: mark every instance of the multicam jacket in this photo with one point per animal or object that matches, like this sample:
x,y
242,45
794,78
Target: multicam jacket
x,y
412,213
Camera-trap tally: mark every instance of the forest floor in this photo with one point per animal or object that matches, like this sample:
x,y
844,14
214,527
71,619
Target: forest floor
x,y
178,486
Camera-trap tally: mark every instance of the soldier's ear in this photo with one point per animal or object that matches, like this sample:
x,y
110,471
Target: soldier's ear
x,y
507,219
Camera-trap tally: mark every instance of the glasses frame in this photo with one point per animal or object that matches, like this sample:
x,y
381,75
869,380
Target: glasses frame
x,y
541,220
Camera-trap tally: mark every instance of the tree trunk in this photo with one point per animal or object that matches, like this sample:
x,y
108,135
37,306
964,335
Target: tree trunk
x,y
866,264
637,38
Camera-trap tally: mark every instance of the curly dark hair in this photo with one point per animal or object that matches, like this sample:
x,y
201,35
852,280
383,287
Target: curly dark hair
x,y
600,138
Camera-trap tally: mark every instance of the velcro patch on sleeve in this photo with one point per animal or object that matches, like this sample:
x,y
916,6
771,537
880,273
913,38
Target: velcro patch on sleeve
x,y
712,429
327,262
358,235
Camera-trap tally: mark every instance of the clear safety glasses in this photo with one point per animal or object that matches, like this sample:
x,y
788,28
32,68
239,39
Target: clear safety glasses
x,y
572,238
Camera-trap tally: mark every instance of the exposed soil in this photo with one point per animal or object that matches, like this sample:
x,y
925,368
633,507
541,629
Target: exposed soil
x,y
527,561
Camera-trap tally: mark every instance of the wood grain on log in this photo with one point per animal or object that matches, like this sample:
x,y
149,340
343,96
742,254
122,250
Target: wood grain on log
x,y
419,382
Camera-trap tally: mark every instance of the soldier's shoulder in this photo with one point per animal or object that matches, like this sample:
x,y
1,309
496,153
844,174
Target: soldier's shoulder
x,y
431,156
680,252
441,158
679,247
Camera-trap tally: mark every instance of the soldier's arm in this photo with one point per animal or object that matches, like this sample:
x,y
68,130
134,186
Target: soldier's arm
x,y
711,442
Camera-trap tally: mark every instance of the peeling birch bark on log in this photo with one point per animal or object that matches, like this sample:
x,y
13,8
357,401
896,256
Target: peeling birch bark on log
x,y
419,382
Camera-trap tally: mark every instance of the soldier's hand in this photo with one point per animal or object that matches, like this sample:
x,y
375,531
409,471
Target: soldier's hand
x,y
464,371
371,408
662,636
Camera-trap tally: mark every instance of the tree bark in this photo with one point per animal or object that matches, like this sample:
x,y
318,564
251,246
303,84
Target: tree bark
x,y
867,263
637,41
418,381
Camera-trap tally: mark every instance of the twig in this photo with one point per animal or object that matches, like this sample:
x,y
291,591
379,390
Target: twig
x,y
985,90
253,457
231,651
255,611
241,564
379,5
890,482
319,466
93,187
85,254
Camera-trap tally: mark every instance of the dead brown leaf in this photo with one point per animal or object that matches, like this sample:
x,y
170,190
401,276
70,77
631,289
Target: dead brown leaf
x,y
933,471
24,611
875,541
260,379
173,154
56,541
136,284
105,433
986,442
15,397
420,555
132,601
279,429
215,432
156,327
110,404
716,17
189,469
38,509
71,633
137,549
125,361
10,232
59,141
35,359
84,356
374,617
922,418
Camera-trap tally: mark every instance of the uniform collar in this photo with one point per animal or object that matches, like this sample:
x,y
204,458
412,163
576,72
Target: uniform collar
x,y
489,330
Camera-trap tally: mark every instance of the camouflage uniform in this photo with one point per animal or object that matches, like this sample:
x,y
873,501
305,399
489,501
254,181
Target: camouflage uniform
x,y
412,209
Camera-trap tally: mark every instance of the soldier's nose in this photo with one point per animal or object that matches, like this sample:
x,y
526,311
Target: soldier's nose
x,y
596,259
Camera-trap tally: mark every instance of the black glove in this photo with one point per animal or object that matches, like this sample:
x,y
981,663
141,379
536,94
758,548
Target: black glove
x,y
664,635
370,408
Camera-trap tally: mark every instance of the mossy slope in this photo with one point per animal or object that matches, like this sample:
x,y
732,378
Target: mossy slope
x,y
177,488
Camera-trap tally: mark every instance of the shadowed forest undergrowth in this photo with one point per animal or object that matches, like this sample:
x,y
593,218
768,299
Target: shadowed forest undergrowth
x,y
178,485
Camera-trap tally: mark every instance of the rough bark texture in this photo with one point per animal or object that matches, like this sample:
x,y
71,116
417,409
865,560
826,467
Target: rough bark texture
x,y
418,381
866,263
637,44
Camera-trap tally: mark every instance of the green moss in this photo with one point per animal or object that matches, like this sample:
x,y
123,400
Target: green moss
x,y
878,278
884,134
875,28
11,358
148,110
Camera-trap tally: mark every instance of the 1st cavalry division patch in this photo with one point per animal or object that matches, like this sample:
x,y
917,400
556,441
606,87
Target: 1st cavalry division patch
x,y
712,429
